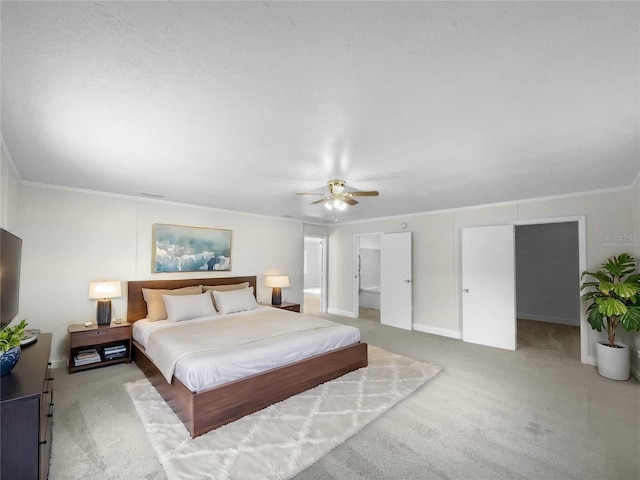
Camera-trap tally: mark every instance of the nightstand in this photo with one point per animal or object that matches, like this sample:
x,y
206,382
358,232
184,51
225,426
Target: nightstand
x,y
112,344
292,307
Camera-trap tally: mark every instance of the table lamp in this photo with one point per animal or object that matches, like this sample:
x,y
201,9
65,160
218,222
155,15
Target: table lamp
x,y
277,282
103,292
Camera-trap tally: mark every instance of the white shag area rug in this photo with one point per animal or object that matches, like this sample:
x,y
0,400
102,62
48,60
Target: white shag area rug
x,y
287,437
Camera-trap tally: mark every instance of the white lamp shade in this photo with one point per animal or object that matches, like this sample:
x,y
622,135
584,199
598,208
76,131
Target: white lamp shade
x,y
104,290
277,281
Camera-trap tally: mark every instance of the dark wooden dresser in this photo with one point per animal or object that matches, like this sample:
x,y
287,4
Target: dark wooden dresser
x,y
26,414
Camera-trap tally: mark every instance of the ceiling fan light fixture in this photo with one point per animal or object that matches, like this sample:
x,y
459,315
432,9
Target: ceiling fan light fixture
x,y
335,204
336,187
338,198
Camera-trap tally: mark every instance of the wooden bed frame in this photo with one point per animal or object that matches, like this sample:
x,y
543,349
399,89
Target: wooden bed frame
x,y
214,407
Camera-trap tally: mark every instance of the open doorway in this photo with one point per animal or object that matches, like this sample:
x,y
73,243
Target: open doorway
x,y
489,283
315,280
369,280
547,288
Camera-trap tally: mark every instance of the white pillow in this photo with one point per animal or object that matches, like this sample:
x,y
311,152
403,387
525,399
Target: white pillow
x,y
186,307
235,300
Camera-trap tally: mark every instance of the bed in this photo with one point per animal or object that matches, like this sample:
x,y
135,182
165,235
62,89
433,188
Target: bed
x,y
202,410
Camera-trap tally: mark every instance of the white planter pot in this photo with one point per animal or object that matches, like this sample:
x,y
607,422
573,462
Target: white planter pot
x,y
613,363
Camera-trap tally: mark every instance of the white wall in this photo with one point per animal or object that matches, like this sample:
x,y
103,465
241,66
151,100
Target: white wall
x,y
633,338
313,262
311,229
369,267
9,192
436,250
71,238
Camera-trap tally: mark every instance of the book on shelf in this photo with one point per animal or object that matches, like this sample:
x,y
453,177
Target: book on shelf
x,y
88,352
85,357
115,349
80,363
115,356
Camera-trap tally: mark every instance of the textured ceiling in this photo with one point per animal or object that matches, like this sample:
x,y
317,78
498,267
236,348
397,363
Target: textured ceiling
x,y
239,105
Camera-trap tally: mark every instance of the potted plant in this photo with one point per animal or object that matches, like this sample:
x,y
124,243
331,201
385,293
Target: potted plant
x,y
10,338
615,301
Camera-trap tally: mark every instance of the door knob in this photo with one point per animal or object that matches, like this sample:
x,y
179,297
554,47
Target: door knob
x,y
407,281
466,290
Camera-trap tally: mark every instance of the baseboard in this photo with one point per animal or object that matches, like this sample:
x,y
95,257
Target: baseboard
x,y
344,313
443,332
548,319
60,363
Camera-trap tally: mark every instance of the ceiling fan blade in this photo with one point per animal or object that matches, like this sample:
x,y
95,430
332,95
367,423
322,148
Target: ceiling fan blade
x,y
319,201
371,193
309,193
350,201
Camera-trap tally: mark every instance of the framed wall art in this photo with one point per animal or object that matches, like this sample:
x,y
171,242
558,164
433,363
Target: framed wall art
x,y
179,248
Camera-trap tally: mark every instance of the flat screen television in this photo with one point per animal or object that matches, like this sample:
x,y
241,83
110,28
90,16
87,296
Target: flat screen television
x,y
10,258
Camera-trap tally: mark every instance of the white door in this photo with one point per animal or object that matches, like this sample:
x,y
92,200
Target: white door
x,y
489,286
395,280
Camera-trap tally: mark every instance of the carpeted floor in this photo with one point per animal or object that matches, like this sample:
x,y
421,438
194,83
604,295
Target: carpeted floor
x,y
371,314
535,413
279,441
311,305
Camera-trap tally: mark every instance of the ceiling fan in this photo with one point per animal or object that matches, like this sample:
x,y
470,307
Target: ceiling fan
x,y
337,198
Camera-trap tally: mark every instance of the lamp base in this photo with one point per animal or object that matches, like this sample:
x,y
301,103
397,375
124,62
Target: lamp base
x,y
103,314
276,296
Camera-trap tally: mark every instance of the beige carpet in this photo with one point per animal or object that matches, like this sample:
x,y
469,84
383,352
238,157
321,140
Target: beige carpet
x,y
372,314
285,438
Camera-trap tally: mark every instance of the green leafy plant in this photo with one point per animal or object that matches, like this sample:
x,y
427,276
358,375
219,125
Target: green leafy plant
x,y
614,295
10,337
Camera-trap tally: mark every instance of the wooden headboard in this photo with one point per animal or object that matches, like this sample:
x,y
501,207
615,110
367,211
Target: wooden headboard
x,y
137,307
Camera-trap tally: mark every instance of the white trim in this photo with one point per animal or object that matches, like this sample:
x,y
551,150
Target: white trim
x,y
155,200
344,313
635,372
542,221
443,332
582,260
7,153
60,363
600,191
324,223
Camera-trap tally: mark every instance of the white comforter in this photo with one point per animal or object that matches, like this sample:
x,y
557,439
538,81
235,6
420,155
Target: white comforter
x,y
214,350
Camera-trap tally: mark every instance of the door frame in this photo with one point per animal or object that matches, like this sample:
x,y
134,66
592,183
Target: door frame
x,y
582,261
324,240
356,272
